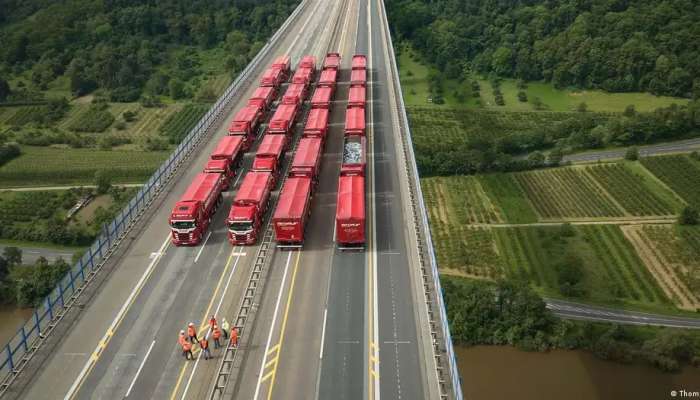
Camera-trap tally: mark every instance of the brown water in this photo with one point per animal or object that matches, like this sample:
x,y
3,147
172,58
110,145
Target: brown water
x,y
503,372
11,319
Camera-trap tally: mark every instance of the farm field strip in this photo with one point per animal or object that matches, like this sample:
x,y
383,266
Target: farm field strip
x,y
678,172
463,197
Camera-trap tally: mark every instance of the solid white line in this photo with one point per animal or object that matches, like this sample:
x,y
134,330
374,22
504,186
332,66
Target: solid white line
x,y
272,327
216,312
140,368
301,30
199,253
125,307
323,333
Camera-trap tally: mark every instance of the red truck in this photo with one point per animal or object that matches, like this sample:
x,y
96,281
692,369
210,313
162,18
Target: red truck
x,y
317,123
359,61
355,121
263,97
283,119
245,217
292,212
303,76
322,97
354,156
270,155
332,61
296,93
357,97
226,158
272,77
350,212
308,62
284,64
307,159
358,77
191,216
246,123
328,78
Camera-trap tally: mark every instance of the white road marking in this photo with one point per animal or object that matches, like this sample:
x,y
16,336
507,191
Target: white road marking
x,y
201,249
140,368
272,327
323,333
240,254
113,326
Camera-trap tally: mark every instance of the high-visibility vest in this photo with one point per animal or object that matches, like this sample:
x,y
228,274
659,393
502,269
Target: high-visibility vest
x,y
204,343
186,346
191,331
217,333
181,339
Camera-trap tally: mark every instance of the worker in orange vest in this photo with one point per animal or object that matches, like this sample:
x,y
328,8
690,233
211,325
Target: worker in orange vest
x,y
192,333
216,334
182,338
234,337
212,322
204,345
187,350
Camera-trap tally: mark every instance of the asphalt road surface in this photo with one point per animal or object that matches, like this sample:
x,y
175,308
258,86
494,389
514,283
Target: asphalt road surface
x,y
681,146
31,254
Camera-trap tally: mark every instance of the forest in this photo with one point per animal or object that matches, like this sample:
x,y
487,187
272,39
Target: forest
x,y
126,47
615,45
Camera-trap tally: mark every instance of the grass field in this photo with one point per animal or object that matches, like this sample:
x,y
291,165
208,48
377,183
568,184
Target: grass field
x,y
509,198
467,251
680,173
59,166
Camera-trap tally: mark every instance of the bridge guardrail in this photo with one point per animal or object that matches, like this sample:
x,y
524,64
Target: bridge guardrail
x,y
423,226
19,350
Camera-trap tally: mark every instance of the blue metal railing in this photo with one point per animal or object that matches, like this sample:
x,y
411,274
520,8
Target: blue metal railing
x,y
19,349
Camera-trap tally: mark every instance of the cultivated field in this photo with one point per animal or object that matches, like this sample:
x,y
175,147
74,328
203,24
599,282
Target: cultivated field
x,y
679,172
460,197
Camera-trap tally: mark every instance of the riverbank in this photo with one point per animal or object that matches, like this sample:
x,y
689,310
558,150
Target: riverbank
x,y
11,319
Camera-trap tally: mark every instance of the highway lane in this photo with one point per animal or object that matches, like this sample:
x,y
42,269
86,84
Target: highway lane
x,y
174,286
680,146
572,310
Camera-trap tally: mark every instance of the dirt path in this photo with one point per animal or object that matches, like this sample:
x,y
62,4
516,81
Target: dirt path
x,y
660,269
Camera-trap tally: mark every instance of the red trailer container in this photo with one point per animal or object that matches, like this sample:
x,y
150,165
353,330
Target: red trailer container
x,y
308,62
355,121
317,123
263,97
354,156
307,159
246,123
359,61
245,217
284,64
283,120
270,154
192,214
358,77
328,78
226,158
272,77
357,97
296,93
292,212
322,97
303,76
332,61
350,213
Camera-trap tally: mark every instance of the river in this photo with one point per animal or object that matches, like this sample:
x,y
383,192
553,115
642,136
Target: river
x,y
11,319
503,372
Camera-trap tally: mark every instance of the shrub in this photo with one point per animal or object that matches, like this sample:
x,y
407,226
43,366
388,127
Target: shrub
x,y
689,216
522,96
129,116
632,154
103,181
8,151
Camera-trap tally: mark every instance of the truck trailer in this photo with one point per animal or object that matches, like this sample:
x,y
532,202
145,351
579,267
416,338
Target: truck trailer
x,y
263,97
247,212
332,61
357,96
303,76
355,121
350,213
272,77
308,62
359,61
283,119
328,78
270,154
226,158
295,94
358,77
307,159
245,124
191,216
292,212
284,64
354,158
322,97
317,123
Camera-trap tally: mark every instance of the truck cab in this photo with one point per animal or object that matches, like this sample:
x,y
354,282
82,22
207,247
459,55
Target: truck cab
x,y
191,215
284,64
308,62
247,212
332,61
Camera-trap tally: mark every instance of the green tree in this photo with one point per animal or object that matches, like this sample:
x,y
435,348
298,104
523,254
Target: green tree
x,y
689,216
554,157
103,181
522,96
536,159
13,255
177,89
582,107
632,154
4,89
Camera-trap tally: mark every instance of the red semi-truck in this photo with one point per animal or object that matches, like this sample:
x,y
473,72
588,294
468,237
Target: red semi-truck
x,y
358,77
272,77
245,217
322,97
332,61
263,97
350,212
226,158
292,212
270,154
354,156
191,216
359,61
307,159
303,76
246,123
308,62
317,123
357,96
295,94
328,78
283,119
284,64
355,121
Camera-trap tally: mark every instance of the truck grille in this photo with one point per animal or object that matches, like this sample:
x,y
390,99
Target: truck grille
x,y
183,236
241,237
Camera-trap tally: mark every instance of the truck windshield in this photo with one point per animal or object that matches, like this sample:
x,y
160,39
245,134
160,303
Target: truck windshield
x,y
182,224
240,226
